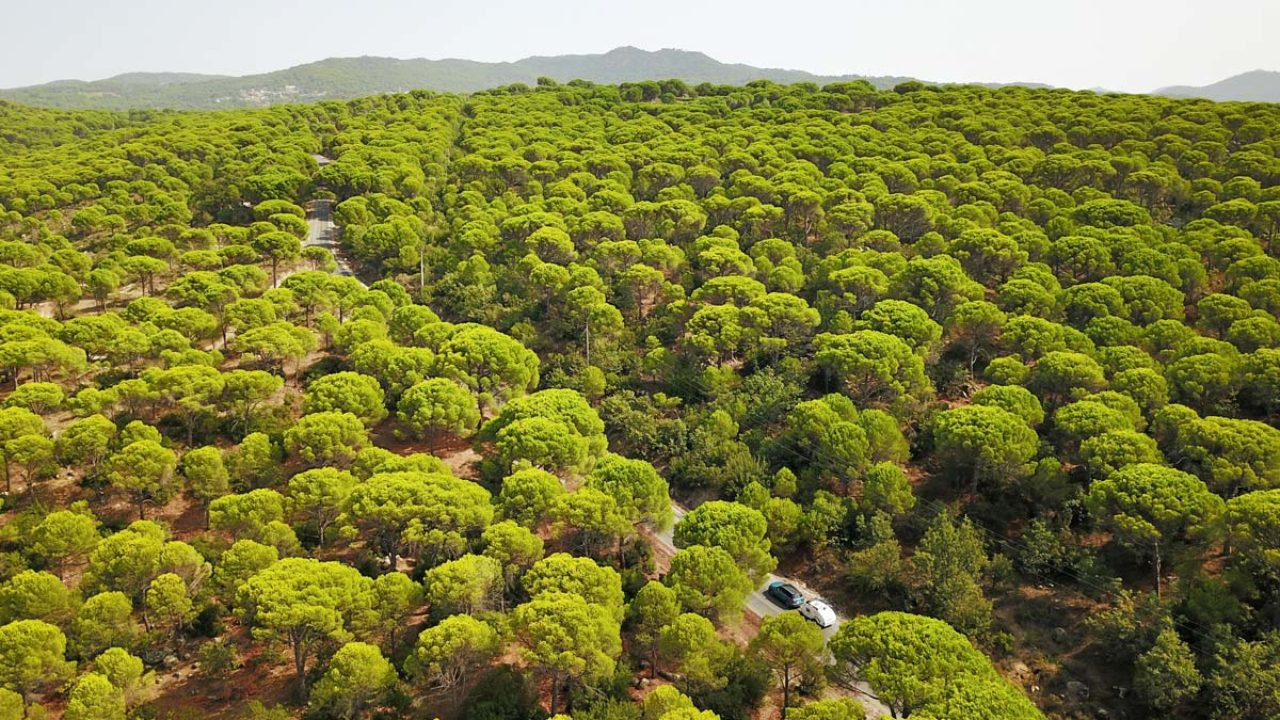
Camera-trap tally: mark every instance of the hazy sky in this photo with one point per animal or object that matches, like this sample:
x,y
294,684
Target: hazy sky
x,y
1134,45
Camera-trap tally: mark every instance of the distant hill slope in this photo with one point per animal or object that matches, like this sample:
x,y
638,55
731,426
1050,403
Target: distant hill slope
x,y
629,64
1256,86
341,78
355,77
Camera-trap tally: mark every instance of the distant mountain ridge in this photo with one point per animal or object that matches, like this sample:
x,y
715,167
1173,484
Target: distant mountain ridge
x,y
350,77
629,64
1254,86
341,78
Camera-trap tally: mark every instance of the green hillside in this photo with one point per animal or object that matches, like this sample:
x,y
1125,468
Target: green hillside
x,y
341,78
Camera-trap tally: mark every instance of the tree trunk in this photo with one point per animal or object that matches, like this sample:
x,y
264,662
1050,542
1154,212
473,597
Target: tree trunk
x,y
142,508
786,689
1159,589
300,666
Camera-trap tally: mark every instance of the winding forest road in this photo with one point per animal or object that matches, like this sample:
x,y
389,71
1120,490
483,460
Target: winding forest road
x,y
759,605
321,232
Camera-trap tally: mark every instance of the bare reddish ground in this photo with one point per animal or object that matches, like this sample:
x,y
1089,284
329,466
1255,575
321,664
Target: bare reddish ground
x,y
455,451
185,516
463,462
741,629
184,692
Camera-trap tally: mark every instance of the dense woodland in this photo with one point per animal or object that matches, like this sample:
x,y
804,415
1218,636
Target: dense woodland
x,y
996,372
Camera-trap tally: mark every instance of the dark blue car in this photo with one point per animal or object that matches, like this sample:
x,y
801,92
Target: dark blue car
x,y
784,594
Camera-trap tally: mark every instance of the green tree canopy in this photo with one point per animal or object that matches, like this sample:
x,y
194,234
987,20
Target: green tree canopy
x,y
303,602
1154,510
739,530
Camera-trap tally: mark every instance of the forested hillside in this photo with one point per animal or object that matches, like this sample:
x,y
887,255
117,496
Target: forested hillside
x,y
350,77
993,372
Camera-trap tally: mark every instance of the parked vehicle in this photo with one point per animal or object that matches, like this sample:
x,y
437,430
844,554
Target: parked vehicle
x,y
784,594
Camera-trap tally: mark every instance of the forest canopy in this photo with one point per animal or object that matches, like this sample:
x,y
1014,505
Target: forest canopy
x,y
509,405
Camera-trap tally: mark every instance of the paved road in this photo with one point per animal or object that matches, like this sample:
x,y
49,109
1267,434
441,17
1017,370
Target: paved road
x,y
321,232
760,605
